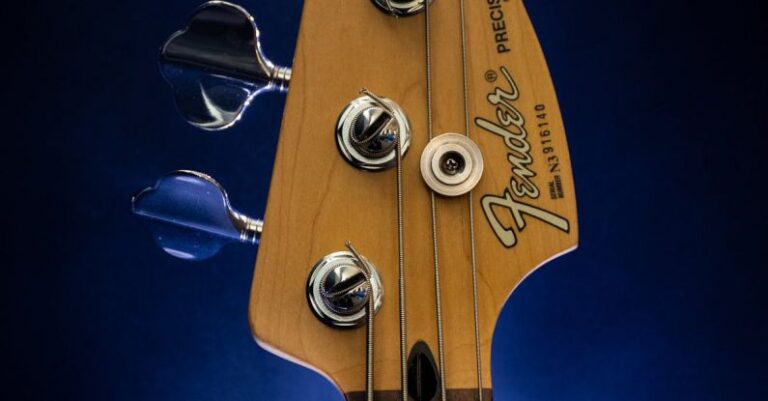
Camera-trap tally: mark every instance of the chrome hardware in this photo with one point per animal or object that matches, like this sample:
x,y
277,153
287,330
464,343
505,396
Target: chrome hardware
x,y
338,289
401,8
216,66
451,164
367,132
190,216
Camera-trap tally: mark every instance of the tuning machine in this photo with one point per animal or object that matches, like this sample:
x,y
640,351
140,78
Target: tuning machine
x,y
215,66
341,285
368,131
190,216
401,8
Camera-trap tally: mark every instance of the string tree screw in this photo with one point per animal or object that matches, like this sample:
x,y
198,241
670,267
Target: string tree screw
x,y
451,164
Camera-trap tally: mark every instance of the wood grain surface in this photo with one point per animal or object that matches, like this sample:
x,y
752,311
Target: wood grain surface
x,y
317,201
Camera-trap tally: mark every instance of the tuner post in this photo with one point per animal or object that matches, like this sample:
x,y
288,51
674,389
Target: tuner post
x,y
401,8
340,286
368,131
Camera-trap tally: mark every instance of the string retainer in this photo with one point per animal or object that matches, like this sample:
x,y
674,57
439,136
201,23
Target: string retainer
x,y
452,164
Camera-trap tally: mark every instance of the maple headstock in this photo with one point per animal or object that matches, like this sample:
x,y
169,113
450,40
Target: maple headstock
x,y
524,205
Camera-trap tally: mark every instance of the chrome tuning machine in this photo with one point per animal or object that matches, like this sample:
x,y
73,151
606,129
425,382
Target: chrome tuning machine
x,y
190,216
341,285
216,66
368,131
401,8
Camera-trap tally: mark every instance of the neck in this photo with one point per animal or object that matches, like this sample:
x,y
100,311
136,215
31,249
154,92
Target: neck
x,y
451,395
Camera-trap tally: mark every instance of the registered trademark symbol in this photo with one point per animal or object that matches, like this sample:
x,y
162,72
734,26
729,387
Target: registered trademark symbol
x,y
491,76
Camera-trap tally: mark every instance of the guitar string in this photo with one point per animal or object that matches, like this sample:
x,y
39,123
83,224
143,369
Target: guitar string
x,y
435,253
476,311
369,337
371,311
400,253
401,270
400,262
473,255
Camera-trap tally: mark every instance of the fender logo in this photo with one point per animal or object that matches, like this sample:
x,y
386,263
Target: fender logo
x,y
510,125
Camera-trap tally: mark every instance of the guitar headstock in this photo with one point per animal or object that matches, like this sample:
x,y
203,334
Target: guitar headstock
x,y
524,208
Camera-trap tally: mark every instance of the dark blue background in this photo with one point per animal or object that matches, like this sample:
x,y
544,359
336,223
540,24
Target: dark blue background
x,y
665,300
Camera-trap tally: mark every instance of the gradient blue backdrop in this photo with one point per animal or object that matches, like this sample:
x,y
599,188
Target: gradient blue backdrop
x,y
665,107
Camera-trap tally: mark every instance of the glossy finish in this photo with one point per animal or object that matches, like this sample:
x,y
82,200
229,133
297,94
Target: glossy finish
x,y
401,8
337,290
357,119
216,66
190,216
451,164
209,101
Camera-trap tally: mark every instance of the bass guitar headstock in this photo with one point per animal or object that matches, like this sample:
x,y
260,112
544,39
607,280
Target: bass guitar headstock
x,y
524,208
422,173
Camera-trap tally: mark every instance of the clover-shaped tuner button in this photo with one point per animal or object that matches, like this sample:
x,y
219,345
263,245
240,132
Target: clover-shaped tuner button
x,y
190,216
216,66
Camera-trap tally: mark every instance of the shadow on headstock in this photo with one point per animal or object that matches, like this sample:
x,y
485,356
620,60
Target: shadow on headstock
x,y
524,204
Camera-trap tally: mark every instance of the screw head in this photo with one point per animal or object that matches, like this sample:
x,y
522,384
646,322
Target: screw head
x,y
451,164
